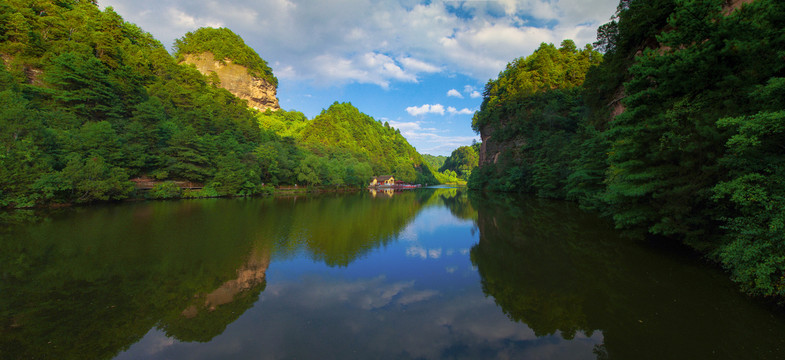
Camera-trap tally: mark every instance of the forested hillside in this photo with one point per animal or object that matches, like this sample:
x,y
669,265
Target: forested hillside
x,y
530,118
89,101
678,132
349,145
434,161
462,161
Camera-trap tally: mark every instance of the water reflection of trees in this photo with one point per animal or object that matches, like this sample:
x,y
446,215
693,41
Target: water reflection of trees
x,y
90,293
336,228
88,282
528,262
561,270
456,199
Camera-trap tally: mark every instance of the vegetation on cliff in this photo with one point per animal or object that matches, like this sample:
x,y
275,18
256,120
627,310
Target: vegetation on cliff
x,y
224,44
695,151
544,111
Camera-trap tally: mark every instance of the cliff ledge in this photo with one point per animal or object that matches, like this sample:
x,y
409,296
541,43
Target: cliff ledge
x,y
259,93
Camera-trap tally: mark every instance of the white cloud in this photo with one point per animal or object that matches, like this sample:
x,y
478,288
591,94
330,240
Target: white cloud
x,y
417,66
432,109
409,126
425,109
417,251
463,111
454,93
471,91
364,41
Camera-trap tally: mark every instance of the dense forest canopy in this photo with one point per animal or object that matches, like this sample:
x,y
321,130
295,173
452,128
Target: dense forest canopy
x,y
352,141
224,44
462,161
89,102
677,133
434,161
548,68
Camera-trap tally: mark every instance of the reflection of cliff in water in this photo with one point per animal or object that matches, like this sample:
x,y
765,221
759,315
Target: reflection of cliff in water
x,y
90,293
248,277
562,271
209,314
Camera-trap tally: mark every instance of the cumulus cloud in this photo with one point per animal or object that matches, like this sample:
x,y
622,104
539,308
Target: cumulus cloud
x,y
425,109
366,41
455,111
433,109
430,140
454,93
471,91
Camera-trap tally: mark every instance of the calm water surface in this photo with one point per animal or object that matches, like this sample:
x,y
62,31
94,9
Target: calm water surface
x,y
431,273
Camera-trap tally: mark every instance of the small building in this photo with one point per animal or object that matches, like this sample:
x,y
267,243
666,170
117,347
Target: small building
x,y
383,180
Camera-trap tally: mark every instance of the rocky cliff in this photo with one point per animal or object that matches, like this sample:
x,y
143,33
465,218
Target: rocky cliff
x,y
259,93
491,149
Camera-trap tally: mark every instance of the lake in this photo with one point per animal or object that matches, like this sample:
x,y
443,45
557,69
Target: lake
x,y
421,274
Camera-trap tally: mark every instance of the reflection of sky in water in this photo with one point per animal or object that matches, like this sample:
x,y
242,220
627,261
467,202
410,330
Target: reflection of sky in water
x,y
418,297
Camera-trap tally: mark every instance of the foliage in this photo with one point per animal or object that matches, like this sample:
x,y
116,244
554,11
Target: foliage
x,y
165,190
754,192
677,133
462,161
89,101
224,44
342,130
434,162
548,68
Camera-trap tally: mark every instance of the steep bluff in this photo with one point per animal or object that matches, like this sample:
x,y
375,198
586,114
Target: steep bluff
x,y
259,93
492,148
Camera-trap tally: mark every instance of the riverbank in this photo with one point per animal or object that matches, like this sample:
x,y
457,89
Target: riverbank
x,y
170,191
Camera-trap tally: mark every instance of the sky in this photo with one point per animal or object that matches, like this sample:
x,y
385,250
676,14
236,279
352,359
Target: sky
x,y
419,65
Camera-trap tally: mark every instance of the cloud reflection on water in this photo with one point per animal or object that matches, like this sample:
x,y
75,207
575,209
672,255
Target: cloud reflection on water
x,y
386,318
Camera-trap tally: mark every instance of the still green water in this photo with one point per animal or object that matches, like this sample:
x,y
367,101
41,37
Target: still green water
x,y
430,273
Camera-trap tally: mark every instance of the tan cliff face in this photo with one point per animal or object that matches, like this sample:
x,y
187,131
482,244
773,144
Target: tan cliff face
x,y
259,93
491,149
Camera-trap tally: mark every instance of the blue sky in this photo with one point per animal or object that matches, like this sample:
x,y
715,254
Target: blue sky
x,y
419,65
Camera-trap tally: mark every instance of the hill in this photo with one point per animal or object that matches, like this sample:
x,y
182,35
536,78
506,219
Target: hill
x,y
89,101
343,132
434,162
676,134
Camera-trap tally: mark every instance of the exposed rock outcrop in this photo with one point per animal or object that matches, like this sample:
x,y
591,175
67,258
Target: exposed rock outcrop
x,y
259,93
491,149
